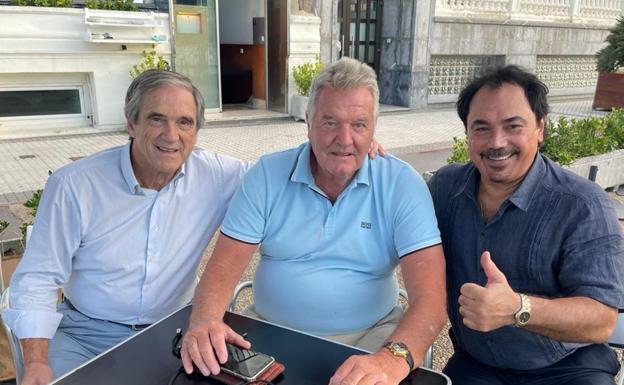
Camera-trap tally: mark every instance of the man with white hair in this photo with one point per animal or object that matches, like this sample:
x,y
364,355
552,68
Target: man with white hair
x,y
332,225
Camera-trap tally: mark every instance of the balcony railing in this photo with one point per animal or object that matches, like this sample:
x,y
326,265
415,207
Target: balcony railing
x,y
584,12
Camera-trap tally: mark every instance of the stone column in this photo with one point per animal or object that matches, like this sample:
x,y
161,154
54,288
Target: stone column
x,y
404,63
304,44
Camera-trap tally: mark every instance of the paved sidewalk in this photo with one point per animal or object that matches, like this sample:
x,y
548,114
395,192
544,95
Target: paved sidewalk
x,y
25,163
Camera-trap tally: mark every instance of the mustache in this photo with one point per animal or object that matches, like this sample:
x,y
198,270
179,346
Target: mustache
x,y
499,152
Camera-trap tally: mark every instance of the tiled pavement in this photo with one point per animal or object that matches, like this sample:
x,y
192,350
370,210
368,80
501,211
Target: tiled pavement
x,y
25,163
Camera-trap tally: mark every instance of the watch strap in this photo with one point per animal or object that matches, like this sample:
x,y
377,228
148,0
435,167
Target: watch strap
x,y
399,349
523,315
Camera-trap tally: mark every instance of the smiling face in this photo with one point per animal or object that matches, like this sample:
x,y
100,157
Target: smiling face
x,y
340,134
503,134
163,135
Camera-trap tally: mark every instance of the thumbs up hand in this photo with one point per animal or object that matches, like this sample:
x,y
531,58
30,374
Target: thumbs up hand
x,y
489,307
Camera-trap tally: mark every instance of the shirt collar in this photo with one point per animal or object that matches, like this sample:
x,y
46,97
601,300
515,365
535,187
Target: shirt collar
x,y
128,173
523,194
303,172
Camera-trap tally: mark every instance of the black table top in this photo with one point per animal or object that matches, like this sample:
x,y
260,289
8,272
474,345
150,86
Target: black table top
x,y
146,358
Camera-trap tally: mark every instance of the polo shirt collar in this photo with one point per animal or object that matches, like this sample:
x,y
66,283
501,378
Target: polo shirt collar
x,y
303,172
521,198
128,173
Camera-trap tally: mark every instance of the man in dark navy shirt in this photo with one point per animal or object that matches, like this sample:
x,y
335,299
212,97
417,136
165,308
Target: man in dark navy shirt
x,y
534,253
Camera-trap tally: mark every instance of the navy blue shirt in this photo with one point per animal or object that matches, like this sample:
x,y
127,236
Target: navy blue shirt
x,y
556,236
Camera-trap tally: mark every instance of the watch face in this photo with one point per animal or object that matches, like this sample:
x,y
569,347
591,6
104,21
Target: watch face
x,y
524,317
398,348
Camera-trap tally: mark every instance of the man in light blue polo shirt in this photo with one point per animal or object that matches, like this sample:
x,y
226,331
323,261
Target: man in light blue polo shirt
x,y
332,225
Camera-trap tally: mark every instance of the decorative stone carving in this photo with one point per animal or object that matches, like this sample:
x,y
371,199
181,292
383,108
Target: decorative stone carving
x,y
449,74
597,12
555,71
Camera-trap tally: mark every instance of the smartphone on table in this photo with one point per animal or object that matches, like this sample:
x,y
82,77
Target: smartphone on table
x,y
246,364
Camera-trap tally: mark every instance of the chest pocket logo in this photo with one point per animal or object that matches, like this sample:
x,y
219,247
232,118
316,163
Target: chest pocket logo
x,y
365,225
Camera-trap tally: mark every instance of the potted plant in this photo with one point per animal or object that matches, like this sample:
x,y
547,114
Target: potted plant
x,y
303,75
151,61
578,144
610,86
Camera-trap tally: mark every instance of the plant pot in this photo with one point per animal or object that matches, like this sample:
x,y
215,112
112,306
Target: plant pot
x,y
609,91
298,106
610,168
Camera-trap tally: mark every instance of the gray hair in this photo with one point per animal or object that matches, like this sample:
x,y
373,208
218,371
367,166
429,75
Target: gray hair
x,y
344,74
152,79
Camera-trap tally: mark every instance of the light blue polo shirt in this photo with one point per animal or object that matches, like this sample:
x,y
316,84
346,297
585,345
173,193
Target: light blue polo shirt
x,y
329,269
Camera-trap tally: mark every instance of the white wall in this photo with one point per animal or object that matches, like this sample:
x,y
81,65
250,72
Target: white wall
x,y
235,20
39,45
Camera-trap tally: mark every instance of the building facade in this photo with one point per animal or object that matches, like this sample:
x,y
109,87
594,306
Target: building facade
x,y
66,70
69,67
429,49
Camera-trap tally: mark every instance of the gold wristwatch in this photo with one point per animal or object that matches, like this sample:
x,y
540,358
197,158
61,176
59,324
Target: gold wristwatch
x,y
399,349
523,315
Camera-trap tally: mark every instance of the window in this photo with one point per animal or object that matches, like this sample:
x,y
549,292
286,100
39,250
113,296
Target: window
x,y
40,102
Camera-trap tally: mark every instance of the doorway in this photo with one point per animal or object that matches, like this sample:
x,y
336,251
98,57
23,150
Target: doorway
x,y
360,30
252,53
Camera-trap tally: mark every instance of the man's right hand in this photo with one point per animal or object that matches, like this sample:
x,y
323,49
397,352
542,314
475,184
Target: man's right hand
x,y
37,370
37,373
204,345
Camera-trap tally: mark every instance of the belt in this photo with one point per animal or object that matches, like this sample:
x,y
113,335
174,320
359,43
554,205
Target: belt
x,y
135,327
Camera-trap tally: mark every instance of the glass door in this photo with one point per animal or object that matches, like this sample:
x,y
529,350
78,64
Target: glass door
x,y
196,47
360,30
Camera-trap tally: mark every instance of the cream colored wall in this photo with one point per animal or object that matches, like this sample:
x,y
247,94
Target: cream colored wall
x,y
53,44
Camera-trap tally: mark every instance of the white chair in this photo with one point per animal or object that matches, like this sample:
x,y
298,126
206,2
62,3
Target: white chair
x,y
14,344
427,360
617,341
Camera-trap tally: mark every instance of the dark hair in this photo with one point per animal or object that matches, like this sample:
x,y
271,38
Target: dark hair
x,y
152,79
534,90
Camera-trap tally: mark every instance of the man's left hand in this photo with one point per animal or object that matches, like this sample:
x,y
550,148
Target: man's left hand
x,y
381,368
489,307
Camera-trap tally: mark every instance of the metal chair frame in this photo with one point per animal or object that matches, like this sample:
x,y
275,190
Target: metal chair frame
x,y
427,359
617,341
14,344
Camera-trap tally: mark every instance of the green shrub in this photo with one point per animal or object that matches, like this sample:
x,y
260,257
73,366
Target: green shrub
x,y
151,60
3,225
33,205
569,139
115,5
43,3
459,153
304,74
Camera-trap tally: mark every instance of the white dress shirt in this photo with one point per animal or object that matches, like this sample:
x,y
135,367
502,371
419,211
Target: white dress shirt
x,y
120,252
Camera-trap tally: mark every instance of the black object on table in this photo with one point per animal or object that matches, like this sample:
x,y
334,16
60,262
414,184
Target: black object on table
x,y
146,358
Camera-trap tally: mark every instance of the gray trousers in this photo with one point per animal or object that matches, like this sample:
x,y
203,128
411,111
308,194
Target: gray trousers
x,y
371,339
